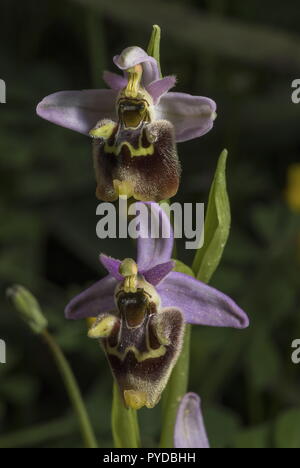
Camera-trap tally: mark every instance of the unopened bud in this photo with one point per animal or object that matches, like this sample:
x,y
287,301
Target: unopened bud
x,y
28,308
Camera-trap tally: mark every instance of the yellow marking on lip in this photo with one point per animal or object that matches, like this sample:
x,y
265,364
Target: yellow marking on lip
x,y
140,357
140,151
105,131
135,399
123,188
104,328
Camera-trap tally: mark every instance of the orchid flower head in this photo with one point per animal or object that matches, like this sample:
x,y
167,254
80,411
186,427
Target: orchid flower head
x,y
135,126
142,307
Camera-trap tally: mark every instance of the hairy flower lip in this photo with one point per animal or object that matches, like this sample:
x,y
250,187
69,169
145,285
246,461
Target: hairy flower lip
x,y
200,304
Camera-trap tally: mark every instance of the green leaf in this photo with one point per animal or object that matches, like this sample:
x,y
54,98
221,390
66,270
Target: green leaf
x,y
154,45
206,261
287,430
181,267
217,225
125,427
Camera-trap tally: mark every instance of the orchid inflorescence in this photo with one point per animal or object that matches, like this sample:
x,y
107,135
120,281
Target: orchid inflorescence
x,y
141,307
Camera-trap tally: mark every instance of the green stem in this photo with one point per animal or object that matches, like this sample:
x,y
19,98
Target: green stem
x,y
175,390
72,390
125,427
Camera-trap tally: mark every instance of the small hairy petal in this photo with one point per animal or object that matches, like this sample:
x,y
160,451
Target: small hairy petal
x,y
159,273
78,110
95,300
132,56
201,304
158,88
153,251
114,81
192,116
189,428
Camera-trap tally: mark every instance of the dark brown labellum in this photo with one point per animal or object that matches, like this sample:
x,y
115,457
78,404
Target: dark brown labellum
x,y
142,347
139,161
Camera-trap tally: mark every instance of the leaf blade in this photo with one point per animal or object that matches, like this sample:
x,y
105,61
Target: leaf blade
x,y
217,225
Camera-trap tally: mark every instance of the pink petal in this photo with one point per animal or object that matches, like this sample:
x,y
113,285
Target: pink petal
x,y
114,81
112,266
192,116
189,428
158,88
159,273
153,251
95,300
201,304
133,56
78,110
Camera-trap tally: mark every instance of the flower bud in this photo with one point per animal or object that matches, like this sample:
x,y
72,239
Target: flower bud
x,y
28,308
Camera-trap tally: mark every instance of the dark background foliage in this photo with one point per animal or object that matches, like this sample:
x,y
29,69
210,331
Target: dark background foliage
x,y
245,56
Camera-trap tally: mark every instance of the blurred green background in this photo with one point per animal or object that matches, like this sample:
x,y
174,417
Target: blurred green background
x,y
245,56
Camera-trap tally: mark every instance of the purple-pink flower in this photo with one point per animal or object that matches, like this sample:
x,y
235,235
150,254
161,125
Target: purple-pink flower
x,y
190,430
192,116
141,309
135,125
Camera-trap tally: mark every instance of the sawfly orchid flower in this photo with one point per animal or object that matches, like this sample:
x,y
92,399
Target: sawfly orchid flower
x,y
141,308
135,126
